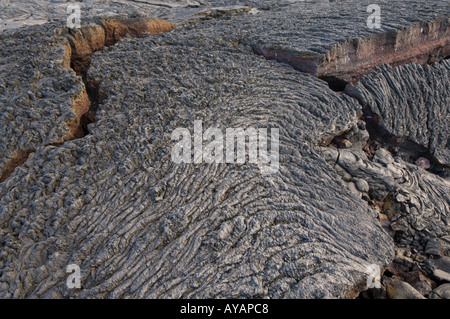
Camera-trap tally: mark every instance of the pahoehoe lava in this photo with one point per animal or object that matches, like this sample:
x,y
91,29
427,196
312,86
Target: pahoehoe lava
x,y
87,175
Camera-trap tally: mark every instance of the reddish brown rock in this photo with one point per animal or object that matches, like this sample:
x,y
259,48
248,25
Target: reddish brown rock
x,y
421,283
81,105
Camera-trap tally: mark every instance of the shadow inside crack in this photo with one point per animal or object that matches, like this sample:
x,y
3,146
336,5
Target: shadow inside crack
x,y
354,58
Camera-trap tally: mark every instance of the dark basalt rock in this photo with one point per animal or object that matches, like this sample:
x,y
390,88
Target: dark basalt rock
x,y
141,226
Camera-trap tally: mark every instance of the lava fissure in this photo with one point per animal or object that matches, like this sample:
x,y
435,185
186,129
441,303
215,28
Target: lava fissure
x,y
107,32
19,159
353,59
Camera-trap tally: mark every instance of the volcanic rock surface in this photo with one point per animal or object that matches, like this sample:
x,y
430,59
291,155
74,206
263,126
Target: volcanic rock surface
x,y
412,103
111,200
